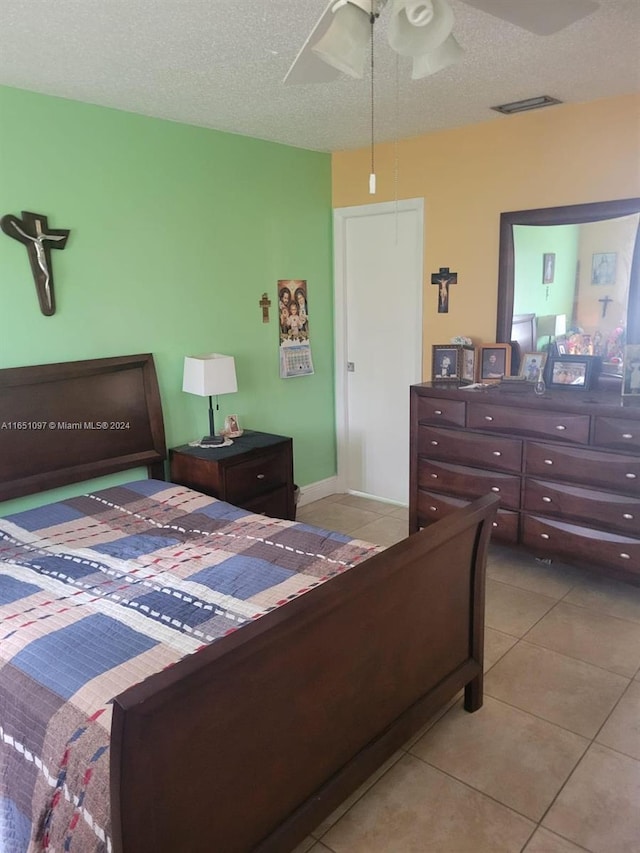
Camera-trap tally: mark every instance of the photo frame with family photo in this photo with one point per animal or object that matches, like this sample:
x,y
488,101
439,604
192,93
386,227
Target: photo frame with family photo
x,y
446,363
531,364
570,372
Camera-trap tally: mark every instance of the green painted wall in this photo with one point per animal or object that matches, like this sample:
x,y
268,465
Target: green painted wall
x,y
531,242
176,231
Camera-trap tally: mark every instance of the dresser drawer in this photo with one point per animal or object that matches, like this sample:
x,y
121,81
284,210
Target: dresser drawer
x,y
503,454
581,544
460,481
561,426
619,433
255,475
611,471
603,509
432,506
439,411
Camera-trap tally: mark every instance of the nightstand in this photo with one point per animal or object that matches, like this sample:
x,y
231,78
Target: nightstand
x,y
255,472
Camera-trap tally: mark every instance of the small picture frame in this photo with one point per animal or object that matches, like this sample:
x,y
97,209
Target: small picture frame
x,y
494,362
548,267
232,427
468,366
570,372
603,267
531,365
631,379
446,363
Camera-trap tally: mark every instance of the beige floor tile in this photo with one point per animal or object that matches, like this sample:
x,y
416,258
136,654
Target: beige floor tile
x,y
496,644
622,729
385,530
598,807
434,719
305,846
415,808
336,814
544,841
519,760
319,847
591,636
514,611
521,569
607,596
360,502
401,512
336,516
568,692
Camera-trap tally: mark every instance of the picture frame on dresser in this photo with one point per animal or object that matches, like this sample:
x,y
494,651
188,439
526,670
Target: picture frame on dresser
x,y
570,372
531,365
494,362
631,383
446,363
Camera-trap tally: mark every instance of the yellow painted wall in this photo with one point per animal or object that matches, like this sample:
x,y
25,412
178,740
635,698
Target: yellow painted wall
x,y
468,176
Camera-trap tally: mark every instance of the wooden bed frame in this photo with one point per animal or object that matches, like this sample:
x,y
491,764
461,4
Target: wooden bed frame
x,y
252,742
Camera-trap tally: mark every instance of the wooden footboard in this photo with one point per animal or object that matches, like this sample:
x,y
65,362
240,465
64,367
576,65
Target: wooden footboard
x,y
249,744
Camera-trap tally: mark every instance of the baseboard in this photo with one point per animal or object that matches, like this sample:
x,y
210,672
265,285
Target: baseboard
x,y
317,491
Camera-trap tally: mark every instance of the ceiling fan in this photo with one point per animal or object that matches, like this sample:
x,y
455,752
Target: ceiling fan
x,y
421,29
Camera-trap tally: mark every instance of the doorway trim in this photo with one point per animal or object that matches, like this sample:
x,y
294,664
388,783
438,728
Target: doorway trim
x,y
340,217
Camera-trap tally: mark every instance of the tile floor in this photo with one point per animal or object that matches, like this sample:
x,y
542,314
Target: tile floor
x,y
551,763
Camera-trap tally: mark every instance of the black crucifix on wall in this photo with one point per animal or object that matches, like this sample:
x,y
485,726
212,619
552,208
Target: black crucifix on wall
x,y
605,304
33,230
443,278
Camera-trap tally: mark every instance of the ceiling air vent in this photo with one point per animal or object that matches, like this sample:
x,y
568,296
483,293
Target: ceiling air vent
x,y
527,104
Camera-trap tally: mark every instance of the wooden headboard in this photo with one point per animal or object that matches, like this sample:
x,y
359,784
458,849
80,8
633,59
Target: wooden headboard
x,y
64,423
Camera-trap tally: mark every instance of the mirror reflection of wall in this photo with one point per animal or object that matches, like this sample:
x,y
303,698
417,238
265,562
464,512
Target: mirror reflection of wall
x,y
593,298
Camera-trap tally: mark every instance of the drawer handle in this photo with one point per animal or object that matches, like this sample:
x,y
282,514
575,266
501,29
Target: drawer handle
x,y
488,418
627,435
494,523
433,508
627,516
260,476
435,443
630,476
495,489
548,461
561,427
546,499
497,453
625,556
434,476
438,412
545,536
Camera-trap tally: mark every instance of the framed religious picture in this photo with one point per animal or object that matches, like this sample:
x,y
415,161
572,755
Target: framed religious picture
x,y
446,363
603,268
548,267
494,362
468,367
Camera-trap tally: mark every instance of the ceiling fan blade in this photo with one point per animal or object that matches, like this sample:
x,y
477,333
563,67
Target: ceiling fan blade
x,y
307,67
542,17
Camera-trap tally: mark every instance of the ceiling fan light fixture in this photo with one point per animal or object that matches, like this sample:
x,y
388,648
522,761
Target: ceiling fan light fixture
x,y
419,26
344,45
448,53
526,104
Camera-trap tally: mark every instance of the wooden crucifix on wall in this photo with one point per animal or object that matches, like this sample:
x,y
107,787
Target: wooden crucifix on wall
x,y
33,230
443,278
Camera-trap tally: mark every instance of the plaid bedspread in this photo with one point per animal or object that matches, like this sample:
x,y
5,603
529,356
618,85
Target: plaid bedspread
x,y
97,593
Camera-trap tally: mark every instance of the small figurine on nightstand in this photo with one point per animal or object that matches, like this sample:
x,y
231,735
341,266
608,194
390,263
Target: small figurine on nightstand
x,y
232,427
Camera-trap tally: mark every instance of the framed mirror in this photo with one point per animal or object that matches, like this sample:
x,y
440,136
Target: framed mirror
x,y
571,275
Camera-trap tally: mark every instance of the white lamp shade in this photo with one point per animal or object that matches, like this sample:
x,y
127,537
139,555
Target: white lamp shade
x,y
552,326
437,59
209,375
419,26
344,46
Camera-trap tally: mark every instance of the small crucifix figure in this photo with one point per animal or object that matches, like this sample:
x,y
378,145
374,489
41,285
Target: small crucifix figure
x,y
444,278
265,304
33,230
605,304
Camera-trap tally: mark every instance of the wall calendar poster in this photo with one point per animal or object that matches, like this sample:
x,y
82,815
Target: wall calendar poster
x,y
293,319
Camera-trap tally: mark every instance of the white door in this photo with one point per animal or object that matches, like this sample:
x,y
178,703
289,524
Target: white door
x,y
378,305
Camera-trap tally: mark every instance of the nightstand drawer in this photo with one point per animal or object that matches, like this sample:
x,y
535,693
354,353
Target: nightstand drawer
x,y
252,477
274,504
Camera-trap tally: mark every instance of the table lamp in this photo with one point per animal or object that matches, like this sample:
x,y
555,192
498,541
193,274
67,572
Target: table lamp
x,y
208,376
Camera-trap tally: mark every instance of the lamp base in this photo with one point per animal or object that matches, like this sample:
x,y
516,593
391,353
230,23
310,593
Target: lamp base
x,y
212,440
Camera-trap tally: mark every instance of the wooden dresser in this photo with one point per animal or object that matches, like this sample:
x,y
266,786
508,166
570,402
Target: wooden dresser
x,y
565,465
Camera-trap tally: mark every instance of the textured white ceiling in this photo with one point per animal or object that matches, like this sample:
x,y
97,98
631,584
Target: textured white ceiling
x,y
220,64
